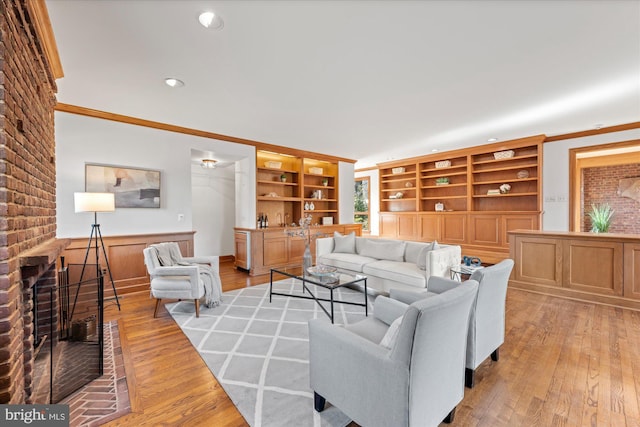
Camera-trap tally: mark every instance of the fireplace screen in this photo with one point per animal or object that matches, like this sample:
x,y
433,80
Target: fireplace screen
x,y
70,338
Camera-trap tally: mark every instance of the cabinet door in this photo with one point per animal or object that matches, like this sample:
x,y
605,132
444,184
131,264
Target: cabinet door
x,y
296,249
454,228
389,225
275,250
429,226
241,250
594,266
517,222
407,227
484,229
632,270
538,260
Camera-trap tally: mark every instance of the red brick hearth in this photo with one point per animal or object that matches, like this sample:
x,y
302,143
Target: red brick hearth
x,y
27,189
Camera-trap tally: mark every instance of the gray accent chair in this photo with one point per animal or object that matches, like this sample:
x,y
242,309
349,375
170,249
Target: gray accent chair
x,y
182,282
487,322
418,381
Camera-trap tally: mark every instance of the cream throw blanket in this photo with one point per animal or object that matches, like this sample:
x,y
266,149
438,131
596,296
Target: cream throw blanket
x,y
169,254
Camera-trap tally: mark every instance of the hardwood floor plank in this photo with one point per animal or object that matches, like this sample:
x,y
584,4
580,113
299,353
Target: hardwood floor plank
x,y
563,363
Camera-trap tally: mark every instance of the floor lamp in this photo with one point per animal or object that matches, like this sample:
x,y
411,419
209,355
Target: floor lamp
x,y
96,202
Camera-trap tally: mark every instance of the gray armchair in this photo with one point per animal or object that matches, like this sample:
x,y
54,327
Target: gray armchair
x,y
176,277
417,381
487,322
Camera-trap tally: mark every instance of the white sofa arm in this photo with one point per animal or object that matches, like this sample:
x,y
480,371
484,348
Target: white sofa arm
x,y
441,260
324,246
190,271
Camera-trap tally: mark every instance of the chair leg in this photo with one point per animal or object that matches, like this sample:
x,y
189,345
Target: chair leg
x,y
449,418
469,377
318,402
155,311
197,307
495,355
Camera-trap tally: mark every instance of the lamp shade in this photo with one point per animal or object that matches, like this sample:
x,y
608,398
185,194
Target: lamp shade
x,y
94,202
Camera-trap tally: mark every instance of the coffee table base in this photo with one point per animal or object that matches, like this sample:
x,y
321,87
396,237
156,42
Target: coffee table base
x,y
331,287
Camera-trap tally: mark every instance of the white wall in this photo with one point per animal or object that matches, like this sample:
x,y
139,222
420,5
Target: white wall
x,y
81,140
555,175
346,192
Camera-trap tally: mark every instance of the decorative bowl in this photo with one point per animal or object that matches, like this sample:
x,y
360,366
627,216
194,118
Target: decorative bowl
x,y
322,270
397,170
443,164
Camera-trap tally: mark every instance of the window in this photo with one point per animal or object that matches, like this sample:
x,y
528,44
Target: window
x,y
361,203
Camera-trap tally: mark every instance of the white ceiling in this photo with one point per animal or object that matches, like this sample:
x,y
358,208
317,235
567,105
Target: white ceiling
x,y
365,80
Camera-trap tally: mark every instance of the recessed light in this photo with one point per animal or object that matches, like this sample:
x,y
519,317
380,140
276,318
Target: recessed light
x,y
170,81
211,20
598,126
434,150
492,139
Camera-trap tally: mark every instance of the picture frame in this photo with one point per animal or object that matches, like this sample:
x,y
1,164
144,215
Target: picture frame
x,y
133,187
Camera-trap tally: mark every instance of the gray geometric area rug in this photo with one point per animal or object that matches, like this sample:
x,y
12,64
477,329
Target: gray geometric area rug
x,y
259,351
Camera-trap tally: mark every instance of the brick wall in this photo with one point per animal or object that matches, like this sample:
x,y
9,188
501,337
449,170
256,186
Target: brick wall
x,y
601,186
27,184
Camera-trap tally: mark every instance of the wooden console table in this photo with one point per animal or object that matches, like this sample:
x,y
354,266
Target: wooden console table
x,y
602,268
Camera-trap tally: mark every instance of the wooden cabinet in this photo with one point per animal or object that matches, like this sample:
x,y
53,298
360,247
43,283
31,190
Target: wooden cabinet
x,y
320,191
288,187
273,247
402,226
445,182
278,187
585,266
517,168
465,187
398,187
242,248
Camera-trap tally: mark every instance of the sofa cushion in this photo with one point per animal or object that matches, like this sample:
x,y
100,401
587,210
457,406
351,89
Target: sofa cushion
x,y
351,262
424,253
344,244
407,273
388,250
412,250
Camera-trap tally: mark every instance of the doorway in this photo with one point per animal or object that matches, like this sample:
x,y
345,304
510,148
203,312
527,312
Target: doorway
x,y
605,174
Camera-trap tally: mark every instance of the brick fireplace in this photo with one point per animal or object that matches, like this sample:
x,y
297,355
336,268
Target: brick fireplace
x,y
28,247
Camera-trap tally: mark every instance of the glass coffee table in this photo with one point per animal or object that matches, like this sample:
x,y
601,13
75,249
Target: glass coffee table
x,y
327,280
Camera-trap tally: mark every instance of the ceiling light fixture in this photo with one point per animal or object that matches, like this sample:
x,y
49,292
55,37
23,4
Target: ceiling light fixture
x,y
434,150
208,163
492,139
170,81
210,20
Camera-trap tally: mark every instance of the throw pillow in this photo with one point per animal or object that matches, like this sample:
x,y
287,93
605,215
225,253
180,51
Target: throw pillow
x,y
344,244
389,250
422,256
390,337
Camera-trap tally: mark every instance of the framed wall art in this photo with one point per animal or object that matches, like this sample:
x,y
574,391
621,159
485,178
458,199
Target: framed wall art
x,y
133,187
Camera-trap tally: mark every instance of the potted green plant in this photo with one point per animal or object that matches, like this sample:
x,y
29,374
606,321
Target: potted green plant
x,y
601,216
283,178
325,181
442,181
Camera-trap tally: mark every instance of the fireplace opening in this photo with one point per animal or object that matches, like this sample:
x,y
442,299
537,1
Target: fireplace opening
x,y
68,322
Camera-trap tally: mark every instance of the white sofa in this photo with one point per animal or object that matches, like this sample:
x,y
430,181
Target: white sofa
x,y
388,264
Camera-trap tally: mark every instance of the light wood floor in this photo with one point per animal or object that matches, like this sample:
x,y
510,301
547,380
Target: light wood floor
x,y
564,363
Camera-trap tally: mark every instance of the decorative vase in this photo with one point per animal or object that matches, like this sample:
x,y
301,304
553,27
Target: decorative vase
x,y
306,259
